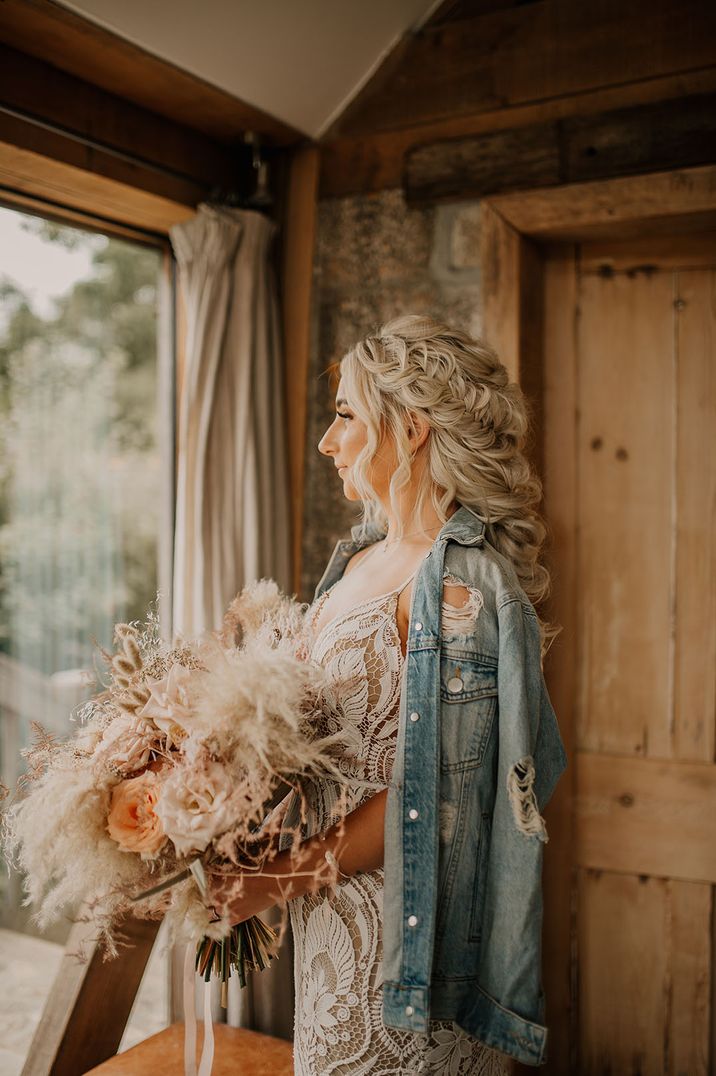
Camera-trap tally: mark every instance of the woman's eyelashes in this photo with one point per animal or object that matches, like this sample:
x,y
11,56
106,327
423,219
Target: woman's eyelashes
x,y
342,414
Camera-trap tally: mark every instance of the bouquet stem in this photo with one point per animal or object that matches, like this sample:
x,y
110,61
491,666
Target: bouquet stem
x,y
247,948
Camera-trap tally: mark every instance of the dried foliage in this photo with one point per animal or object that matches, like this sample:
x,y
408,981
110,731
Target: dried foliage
x,y
185,753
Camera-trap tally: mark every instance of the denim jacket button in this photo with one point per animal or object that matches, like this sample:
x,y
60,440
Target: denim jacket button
x,y
412,920
409,1010
412,813
418,625
454,684
414,716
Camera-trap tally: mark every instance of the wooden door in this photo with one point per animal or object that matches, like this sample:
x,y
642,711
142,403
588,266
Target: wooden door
x,y
630,495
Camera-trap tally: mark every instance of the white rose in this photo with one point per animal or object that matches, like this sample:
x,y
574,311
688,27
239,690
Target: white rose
x,y
167,705
126,743
194,806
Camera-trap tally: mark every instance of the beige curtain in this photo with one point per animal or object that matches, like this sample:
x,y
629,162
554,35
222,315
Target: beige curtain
x,y
232,507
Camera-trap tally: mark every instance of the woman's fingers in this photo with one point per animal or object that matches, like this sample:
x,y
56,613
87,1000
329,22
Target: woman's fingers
x,y
219,888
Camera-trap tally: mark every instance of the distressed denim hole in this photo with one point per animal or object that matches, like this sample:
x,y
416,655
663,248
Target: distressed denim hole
x,y
447,817
460,618
521,793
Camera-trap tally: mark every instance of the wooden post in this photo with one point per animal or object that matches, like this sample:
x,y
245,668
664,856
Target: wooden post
x,y
88,1005
512,306
297,271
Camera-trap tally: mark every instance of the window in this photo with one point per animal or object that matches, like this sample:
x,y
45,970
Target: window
x,y
85,468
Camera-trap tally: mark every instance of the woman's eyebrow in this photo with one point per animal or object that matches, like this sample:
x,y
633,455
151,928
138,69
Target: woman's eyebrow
x,y
340,401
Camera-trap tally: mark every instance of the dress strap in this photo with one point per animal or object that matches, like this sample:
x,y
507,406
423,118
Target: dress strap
x,y
399,590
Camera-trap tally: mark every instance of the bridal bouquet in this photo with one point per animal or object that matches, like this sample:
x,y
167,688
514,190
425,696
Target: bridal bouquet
x,y
177,767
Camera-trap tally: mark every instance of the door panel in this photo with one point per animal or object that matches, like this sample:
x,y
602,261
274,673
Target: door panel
x,y
695,498
630,496
625,436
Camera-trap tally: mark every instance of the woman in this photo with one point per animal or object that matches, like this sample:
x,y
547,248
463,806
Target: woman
x,y
446,800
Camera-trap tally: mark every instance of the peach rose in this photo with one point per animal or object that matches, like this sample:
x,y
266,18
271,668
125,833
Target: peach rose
x,y
132,820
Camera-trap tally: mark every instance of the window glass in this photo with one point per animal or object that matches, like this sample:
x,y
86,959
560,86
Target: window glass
x,y
79,472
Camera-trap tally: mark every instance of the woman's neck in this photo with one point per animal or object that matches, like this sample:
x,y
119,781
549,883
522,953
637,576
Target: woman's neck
x,y
414,531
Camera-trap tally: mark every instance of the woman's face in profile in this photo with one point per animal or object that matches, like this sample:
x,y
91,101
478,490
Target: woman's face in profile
x,y
344,439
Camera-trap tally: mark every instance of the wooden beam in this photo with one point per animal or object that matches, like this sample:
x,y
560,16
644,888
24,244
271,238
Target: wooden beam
x,y
628,141
375,161
51,32
82,1022
651,138
516,159
500,282
58,148
512,308
529,53
35,180
559,476
299,230
50,100
623,206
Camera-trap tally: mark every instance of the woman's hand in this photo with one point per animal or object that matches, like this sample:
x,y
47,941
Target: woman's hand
x,y
241,895
356,842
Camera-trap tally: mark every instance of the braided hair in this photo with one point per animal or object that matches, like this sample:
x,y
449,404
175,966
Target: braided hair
x,y
478,421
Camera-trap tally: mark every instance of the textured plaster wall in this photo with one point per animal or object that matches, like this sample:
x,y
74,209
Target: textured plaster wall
x,y
375,258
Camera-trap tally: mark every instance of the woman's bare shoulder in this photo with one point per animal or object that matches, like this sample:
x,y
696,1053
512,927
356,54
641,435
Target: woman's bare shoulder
x,y
357,558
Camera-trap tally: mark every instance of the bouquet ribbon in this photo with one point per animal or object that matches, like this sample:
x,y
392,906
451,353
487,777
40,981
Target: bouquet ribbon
x,y
207,1051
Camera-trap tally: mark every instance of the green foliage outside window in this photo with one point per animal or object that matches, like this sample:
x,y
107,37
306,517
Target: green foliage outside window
x,y
79,461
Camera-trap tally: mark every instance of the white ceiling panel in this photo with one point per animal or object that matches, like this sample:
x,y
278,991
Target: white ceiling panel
x,y
301,61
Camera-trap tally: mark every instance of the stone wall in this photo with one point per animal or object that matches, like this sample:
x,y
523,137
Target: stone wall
x,y
375,258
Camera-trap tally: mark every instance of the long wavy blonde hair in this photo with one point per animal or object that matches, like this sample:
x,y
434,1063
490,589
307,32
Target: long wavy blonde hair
x,y
479,424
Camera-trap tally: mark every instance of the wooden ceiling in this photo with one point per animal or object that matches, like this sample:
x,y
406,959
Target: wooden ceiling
x,y
486,65
476,66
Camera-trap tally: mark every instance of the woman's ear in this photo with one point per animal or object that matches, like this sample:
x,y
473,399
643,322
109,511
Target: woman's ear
x,y
418,429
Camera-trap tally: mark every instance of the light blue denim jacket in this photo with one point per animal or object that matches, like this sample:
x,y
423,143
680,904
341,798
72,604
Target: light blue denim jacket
x,y
479,753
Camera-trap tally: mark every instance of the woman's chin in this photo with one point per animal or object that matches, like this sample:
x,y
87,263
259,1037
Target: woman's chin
x,y
349,492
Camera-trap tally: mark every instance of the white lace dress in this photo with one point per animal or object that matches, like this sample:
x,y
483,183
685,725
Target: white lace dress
x,y
337,932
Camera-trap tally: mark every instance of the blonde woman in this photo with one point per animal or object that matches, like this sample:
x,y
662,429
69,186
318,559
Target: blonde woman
x,y
423,953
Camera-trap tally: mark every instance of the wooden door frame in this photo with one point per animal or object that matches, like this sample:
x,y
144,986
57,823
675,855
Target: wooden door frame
x,y
516,231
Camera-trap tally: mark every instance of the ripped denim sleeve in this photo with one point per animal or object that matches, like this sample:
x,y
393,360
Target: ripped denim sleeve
x,y
521,793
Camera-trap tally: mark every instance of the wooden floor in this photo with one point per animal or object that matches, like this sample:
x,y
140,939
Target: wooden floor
x,y
27,968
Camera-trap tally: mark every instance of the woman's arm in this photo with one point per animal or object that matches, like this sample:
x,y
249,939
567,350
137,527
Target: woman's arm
x,y
359,847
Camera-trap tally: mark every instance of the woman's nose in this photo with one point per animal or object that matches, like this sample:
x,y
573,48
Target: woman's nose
x,y
324,445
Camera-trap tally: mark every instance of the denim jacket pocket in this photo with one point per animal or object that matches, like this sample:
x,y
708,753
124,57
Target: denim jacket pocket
x,y
468,694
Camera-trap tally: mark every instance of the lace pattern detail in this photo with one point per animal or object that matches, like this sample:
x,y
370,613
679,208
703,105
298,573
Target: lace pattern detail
x,y
338,950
